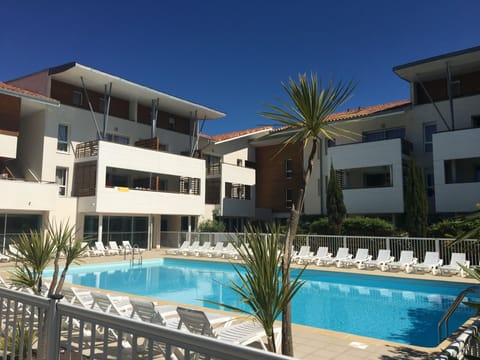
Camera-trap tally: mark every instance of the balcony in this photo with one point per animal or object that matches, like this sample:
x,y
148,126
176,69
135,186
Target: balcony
x,y
122,179
373,175
456,163
20,195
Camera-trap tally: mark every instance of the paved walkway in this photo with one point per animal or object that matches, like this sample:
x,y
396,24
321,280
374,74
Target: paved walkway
x,y
317,344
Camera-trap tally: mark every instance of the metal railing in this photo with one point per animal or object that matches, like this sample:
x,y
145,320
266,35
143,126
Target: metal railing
x,y
446,317
74,332
374,243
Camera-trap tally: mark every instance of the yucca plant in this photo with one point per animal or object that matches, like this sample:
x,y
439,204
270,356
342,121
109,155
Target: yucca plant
x,y
304,120
260,285
33,253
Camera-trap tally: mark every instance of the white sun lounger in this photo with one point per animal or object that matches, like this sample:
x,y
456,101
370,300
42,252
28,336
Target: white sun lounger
x,y
203,249
431,263
321,254
190,250
179,250
126,244
303,253
114,247
244,333
342,255
360,257
381,261
454,267
217,250
99,246
405,262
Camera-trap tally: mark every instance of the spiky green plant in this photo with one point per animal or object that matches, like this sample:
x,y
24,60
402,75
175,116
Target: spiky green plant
x,y
33,254
260,285
304,118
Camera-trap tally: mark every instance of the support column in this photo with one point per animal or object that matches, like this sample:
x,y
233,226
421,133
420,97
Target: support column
x,y
100,227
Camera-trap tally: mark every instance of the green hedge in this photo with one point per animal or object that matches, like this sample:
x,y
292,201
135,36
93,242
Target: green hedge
x,y
358,225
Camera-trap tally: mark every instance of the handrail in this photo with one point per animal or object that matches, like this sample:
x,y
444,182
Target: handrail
x,y
452,308
132,260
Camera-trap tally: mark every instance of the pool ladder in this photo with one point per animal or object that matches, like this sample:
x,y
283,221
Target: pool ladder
x,y
139,260
444,320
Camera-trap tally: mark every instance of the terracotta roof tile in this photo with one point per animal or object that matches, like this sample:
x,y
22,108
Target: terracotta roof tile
x,y
235,134
365,111
20,91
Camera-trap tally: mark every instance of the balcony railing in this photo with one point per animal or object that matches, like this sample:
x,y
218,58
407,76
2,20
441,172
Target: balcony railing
x,y
74,332
86,149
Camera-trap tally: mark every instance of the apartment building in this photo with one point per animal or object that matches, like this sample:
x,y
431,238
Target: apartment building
x,y
117,158
231,176
439,126
126,162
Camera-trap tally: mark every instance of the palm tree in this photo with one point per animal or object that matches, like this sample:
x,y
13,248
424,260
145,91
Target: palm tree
x,y
304,120
260,285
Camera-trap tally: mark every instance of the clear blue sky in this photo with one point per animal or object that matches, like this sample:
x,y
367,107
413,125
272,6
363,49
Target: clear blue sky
x,y
233,55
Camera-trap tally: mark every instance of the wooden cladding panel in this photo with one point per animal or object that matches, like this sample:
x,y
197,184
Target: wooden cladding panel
x,y
9,114
63,92
271,182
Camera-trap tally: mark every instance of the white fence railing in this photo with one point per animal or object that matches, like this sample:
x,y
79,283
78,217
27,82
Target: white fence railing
x,y
333,242
75,332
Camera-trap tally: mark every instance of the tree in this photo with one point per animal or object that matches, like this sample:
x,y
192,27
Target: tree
x,y
416,204
260,285
336,209
304,120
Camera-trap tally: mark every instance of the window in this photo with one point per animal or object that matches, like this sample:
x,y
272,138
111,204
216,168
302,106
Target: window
x,y
428,131
288,198
62,138
119,139
384,134
476,121
61,180
429,182
239,162
171,123
77,98
288,168
237,191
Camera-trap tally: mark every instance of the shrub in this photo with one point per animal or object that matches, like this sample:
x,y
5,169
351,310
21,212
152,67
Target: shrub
x,y
365,226
357,225
211,226
320,227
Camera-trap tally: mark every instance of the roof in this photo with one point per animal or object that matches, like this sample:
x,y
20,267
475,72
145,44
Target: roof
x,y
19,92
236,134
73,72
368,111
430,68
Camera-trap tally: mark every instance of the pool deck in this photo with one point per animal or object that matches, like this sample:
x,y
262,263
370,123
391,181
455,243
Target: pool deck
x,y
314,344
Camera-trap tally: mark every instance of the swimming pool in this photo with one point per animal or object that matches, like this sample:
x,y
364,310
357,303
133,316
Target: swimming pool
x,y
400,310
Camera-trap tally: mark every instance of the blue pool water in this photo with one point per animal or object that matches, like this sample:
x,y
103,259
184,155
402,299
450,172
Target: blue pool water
x,y
400,310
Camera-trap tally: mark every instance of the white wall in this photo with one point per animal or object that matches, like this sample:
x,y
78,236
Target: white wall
x,y
8,146
455,145
27,196
378,153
